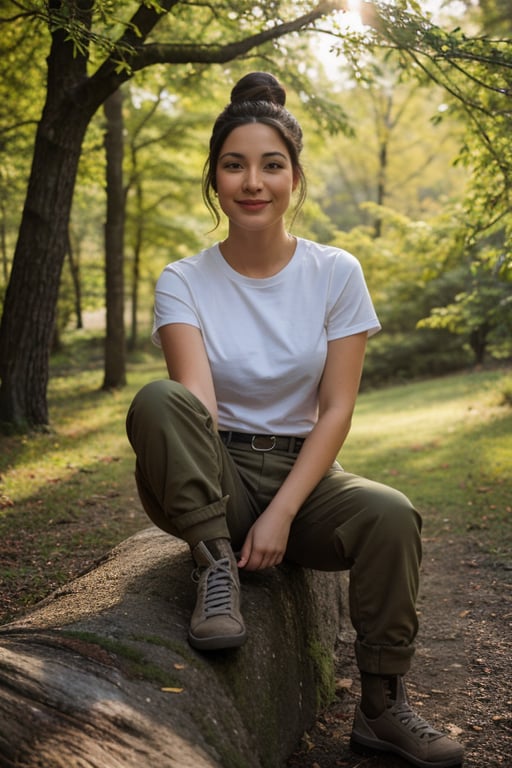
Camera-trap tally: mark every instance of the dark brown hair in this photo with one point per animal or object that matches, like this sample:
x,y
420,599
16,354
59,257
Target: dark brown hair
x,y
257,98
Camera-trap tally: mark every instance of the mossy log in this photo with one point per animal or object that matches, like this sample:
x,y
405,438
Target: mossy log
x,y
100,674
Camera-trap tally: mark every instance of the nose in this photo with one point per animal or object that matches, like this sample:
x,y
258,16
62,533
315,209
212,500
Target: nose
x,y
252,180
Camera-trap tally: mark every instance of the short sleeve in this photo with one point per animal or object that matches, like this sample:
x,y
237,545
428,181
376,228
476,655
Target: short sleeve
x,y
350,309
173,302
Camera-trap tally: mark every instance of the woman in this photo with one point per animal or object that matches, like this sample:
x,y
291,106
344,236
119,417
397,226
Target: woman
x,y
264,336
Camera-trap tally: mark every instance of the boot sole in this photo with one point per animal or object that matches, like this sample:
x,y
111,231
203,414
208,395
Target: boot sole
x,y
369,747
216,643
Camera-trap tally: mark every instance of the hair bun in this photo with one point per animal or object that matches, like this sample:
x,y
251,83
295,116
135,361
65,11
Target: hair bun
x,y
258,86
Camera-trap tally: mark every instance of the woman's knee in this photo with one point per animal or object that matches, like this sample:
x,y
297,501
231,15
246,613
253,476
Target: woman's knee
x,y
148,408
167,413
406,523
154,402
392,513
155,395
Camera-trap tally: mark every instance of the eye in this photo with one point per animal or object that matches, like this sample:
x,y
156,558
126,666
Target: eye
x,y
275,165
232,165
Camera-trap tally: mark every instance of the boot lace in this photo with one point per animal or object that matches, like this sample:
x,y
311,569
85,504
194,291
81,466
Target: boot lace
x,y
413,722
218,586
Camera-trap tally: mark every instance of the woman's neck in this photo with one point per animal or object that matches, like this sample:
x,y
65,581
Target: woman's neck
x,y
258,254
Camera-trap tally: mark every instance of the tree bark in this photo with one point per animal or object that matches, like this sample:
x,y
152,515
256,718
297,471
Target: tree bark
x,y
115,341
28,319
74,268
478,342
136,266
30,304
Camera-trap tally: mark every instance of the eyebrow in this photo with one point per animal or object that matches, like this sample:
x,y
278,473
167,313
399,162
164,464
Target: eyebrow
x,y
265,154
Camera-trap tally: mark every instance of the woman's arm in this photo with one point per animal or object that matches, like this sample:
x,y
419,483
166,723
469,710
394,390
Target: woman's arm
x,y
266,541
187,362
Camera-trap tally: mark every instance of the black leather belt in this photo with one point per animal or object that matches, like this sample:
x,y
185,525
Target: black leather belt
x,y
263,443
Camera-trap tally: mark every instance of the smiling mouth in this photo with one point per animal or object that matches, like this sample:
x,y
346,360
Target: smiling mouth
x,y
253,204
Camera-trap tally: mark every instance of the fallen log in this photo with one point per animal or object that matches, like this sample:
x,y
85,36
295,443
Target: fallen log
x,y
100,674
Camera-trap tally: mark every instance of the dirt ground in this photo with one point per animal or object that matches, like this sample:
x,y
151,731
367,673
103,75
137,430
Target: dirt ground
x,y
461,678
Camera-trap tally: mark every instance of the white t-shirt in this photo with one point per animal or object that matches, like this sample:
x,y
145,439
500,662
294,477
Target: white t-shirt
x,y
266,339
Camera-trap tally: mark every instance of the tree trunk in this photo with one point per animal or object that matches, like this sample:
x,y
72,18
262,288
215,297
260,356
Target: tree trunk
x,y
3,246
28,319
139,227
100,675
74,268
30,304
383,127
381,186
115,343
478,342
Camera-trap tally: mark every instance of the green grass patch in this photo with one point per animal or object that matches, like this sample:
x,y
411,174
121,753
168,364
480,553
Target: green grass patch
x,y
67,496
447,444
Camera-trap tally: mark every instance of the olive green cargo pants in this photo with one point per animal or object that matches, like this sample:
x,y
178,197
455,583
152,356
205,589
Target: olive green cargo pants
x,y
194,487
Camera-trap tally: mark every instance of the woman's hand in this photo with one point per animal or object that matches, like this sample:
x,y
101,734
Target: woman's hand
x,y
266,541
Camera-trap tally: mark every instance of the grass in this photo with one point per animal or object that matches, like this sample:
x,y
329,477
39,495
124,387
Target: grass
x,y
447,443
68,496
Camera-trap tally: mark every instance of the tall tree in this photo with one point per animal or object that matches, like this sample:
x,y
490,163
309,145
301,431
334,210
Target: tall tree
x,y
79,29
115,348
166,128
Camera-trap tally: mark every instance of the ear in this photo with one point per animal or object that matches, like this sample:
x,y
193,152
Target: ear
x,y
296,179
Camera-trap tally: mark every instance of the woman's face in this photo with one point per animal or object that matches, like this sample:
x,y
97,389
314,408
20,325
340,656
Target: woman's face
x,y
255,178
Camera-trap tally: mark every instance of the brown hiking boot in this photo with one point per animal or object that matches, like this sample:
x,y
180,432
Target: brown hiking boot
x,y
216,621
401,731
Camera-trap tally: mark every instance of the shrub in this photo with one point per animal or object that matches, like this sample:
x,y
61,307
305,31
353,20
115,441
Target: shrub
x,y
398,357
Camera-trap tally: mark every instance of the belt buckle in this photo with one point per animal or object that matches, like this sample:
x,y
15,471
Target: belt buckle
x,y
263,443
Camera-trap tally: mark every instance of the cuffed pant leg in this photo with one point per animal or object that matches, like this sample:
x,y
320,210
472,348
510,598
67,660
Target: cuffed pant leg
x,y
179,462
349,522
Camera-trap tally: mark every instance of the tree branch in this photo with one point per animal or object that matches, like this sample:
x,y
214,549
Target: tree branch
x,y
218,54
142,55
417,36
131,54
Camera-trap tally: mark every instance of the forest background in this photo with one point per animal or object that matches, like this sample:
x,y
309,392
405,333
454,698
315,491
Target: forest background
x,y
406,109
106,109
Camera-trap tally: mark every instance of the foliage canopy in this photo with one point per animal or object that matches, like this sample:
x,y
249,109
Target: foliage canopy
x,y
181,53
